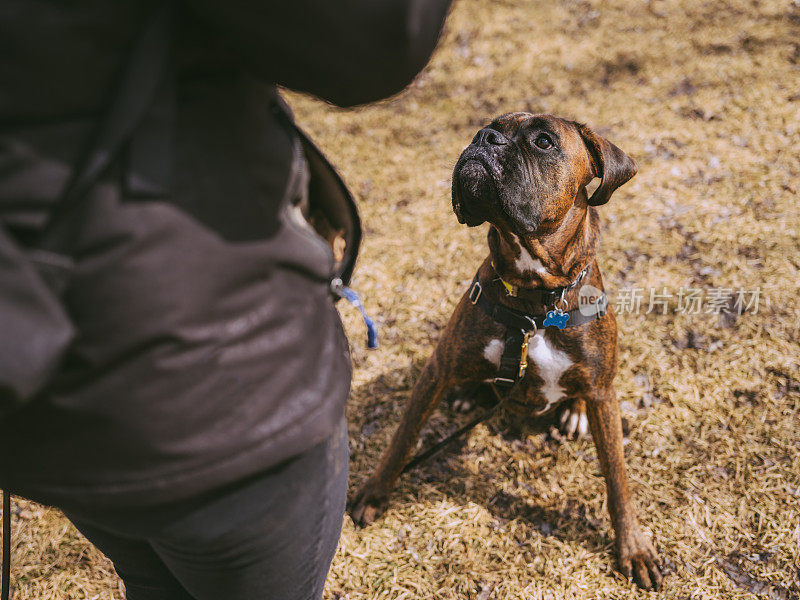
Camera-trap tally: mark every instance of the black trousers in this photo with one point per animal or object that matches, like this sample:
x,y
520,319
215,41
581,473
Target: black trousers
x,y
270,537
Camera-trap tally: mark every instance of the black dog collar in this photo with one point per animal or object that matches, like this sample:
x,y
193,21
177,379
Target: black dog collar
x,y
540,295
520,327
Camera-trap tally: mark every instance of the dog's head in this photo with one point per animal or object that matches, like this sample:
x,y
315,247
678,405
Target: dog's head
x,y
524,172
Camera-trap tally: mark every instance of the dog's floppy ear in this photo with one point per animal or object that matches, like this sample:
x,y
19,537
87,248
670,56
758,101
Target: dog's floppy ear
x,y
611,164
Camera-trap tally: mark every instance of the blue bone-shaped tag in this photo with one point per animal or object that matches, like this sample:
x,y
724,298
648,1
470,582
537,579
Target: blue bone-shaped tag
x,y
556,318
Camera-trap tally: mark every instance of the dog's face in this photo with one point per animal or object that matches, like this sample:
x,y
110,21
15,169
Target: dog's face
x,y
523,172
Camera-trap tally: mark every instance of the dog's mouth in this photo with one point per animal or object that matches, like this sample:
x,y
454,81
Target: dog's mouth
x,y
472,190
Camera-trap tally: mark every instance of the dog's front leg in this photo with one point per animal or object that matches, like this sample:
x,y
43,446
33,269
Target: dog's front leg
x,y
636,556
371,499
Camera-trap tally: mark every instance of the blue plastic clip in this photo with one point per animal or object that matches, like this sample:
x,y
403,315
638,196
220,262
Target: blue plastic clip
x,y
353,298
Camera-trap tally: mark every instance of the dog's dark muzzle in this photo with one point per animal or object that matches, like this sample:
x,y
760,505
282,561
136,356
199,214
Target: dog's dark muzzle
x,y
474,178
471,189
473,186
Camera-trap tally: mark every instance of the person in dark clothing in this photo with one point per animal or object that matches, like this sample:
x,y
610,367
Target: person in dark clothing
x,y
194,427
270,536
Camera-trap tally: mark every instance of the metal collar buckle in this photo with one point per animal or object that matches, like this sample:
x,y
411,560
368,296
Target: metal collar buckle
x,y
561,304
526,336
523,359
475,292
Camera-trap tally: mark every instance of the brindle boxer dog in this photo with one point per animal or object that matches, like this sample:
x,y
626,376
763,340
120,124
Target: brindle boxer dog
x,y
526,175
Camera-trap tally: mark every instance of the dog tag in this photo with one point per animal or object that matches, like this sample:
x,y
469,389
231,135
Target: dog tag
x,y
556,318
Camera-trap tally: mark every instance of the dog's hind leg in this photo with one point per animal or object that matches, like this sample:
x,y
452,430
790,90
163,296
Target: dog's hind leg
x,y
371,499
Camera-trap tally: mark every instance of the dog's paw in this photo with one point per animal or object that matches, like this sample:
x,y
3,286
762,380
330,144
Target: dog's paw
x,y
639,561
462,404
462,399
367,505
573,422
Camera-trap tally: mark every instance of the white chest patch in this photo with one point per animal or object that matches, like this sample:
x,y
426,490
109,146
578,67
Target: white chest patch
x,y
551,364
526,262
494,351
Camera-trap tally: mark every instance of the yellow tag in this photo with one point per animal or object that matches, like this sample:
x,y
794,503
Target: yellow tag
x,y
509,288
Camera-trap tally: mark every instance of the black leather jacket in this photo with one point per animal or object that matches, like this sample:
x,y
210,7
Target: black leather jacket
x,y
208,347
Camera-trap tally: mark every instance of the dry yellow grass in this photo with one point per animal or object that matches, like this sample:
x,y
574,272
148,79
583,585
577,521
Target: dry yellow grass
x,y
706,97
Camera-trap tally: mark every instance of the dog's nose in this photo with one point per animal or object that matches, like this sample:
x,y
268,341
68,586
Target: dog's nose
x,y
489,137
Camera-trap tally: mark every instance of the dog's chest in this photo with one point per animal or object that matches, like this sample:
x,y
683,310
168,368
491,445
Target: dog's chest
x,y
546,365
549,363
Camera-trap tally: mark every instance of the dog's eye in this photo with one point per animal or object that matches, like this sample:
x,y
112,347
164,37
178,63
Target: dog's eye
x,y
543,141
